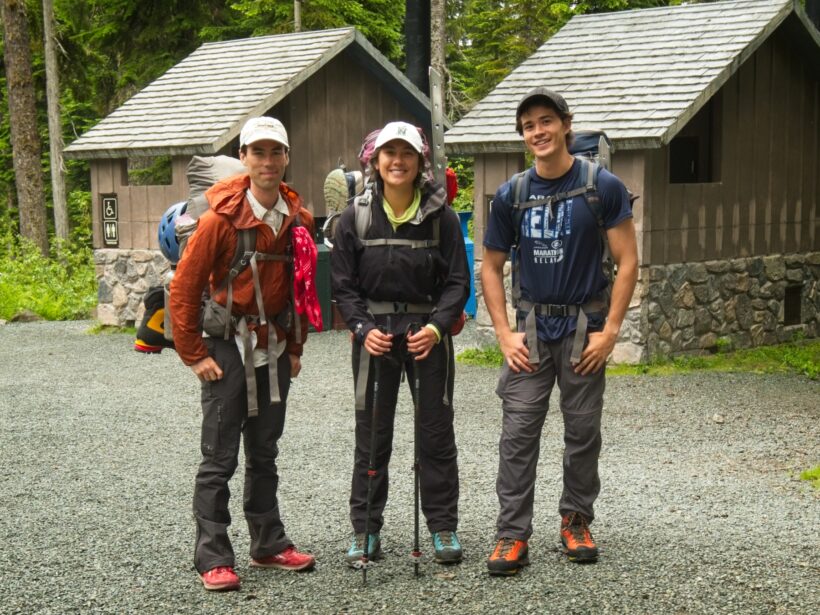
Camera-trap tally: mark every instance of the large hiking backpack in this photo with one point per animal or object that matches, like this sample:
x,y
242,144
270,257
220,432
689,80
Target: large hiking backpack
x,y
593,149
175,228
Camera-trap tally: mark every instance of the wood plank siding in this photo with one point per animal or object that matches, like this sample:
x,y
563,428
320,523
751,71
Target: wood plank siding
x,y
328,117
139,207
766,201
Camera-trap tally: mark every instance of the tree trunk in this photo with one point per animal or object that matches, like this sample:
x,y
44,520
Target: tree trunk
x,y
417,42
55,131
25,142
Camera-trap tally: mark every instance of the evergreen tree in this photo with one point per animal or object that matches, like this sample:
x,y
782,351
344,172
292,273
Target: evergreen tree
x,y
25,139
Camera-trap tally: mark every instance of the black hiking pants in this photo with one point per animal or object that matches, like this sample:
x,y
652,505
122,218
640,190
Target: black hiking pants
x,y
438,475
224,421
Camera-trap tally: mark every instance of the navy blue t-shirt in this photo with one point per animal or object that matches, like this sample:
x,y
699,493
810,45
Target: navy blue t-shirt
x,y
560,253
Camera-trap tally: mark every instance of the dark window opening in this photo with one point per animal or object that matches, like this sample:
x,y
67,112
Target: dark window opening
x,y
792,303
694,154
149,171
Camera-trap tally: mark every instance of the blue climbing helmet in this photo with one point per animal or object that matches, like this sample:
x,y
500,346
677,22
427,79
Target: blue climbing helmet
x,y
166,233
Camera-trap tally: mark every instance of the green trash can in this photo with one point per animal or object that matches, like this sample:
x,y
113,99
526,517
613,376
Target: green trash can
x,y
323,285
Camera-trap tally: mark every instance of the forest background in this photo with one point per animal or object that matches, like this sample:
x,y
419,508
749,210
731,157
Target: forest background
x,y
108,50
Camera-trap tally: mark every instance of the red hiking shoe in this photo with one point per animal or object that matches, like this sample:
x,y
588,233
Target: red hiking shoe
x,y
508,557
576,538
220,579
289,559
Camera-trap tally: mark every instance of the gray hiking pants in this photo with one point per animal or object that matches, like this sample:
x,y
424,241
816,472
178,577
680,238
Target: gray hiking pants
x,y
525,400
224,419
438,472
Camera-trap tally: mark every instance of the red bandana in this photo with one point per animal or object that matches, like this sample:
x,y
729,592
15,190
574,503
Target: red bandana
x,y
304,276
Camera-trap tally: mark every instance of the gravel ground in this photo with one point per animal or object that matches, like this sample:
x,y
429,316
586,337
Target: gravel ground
x,y
701,509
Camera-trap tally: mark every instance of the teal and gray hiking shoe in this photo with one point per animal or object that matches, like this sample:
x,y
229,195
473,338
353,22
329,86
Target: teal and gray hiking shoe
x,y
354,554
447,546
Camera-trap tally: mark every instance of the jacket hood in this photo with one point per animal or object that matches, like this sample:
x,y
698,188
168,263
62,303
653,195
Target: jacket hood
x,y
227,198
433,199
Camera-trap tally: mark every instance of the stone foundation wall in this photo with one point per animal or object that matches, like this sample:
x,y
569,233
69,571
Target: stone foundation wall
x,y
123,276
686,308
697,308
738,303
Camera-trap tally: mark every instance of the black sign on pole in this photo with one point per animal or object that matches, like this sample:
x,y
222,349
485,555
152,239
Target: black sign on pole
x,y
111,235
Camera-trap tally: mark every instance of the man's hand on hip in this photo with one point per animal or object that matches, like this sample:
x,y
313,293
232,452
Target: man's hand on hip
x,y
515,351
207,370
594,356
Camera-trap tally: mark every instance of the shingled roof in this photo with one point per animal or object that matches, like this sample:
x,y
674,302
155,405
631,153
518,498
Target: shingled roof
x,y
200,105
639,75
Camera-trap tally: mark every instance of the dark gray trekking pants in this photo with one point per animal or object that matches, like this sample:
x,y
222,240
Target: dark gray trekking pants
x,y
525,400
224,418
438,475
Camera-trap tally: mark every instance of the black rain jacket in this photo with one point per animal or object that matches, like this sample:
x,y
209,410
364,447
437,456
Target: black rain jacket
x,y
437,275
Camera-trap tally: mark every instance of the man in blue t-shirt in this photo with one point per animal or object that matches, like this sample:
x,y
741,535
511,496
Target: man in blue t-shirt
x,y
563,333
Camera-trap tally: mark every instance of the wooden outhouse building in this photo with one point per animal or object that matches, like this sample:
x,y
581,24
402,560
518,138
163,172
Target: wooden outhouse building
x,y
714,113
330,88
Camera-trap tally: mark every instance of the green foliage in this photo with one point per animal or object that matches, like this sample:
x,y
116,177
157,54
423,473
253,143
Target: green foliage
x,y
155,171
79,217
101,329
113,48
62,286
381,21
482,357
801,357
812,475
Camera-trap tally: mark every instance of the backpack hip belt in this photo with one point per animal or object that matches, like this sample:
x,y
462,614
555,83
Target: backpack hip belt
x,y
377,308
551,309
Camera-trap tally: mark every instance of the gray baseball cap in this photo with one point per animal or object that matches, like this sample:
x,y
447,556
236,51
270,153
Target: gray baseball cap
x,y
553,99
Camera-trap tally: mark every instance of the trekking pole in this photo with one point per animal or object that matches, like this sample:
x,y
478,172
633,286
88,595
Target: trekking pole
x,y
371,464
371,467
415,555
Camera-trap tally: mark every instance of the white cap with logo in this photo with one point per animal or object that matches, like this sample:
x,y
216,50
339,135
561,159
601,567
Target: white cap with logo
x,y
400,130
261,129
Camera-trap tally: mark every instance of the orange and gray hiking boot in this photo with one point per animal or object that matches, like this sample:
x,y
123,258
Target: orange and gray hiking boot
x,y
508,557
576,538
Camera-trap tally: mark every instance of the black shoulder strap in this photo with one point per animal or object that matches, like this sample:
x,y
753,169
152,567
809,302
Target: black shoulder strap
x,y
520,190
591,196
245,247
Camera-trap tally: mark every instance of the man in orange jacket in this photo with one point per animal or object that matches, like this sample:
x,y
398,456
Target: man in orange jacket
x,y
244,393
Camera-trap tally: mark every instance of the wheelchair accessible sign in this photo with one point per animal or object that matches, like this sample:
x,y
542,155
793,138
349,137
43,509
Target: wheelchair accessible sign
x,y
111,234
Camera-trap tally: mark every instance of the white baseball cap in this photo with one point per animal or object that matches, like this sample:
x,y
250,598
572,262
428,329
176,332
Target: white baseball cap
x,y
400,130
263,128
